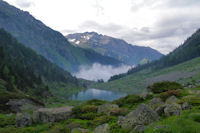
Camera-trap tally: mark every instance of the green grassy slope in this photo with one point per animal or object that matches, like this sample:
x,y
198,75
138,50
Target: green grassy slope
x,y
137,82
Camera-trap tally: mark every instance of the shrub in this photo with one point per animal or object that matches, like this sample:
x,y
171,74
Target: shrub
x,y
89,108
130,99
192,100
95,102
119,112
102,119
167,94
164,86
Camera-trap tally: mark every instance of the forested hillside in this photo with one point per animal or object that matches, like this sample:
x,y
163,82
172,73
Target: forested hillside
x,y
46,41
187,51
21,69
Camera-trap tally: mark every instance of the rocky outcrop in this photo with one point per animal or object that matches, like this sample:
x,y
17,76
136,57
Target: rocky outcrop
x,y
173,109
141,116
160,110
155,102
52,114
102,129
23,120
171,100
20,105
107,108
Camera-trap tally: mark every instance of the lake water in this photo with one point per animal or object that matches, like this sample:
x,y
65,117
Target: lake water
x,y
97,94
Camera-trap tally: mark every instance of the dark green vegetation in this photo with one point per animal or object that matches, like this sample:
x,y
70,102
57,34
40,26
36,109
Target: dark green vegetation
x,y
24,71
112,47
85,116
164,86
47,42
185,52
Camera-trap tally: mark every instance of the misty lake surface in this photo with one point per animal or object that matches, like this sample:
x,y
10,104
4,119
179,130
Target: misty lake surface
x,y
97,94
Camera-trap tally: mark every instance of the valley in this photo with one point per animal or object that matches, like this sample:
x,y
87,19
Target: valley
x,y
90,82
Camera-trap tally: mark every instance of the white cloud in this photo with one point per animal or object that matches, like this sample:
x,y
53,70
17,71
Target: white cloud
x,y
98,71
162,25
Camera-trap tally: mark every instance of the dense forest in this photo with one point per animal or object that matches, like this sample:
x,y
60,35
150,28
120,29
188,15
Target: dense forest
x,y
22,69
188,50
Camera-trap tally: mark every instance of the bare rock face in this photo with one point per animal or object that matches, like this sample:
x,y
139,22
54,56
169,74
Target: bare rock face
x,y
20,105
23,120
46,115
107,108
143,115
173,109
102,129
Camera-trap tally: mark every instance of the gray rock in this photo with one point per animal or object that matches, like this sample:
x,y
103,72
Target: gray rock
x,y
173,109
155,102
20,105
79,130
107,108
141,116
171,99
102,129
46,115
23,120
145,95
160,110
186,106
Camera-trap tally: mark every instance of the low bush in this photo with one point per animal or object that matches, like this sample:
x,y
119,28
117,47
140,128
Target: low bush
x,y
103,119
192,100
128,100
119,112
164,86
167,94
95,102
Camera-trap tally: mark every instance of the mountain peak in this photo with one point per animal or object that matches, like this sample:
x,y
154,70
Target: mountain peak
x,y
113,47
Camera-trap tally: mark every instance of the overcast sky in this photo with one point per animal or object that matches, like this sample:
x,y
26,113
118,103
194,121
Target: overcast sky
x,y
160,24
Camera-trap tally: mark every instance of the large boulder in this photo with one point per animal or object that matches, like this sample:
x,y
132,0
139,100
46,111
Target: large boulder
x,y
155,102
102,129
173,109
46,115
171,99
23,120
160,110
20,105
143,115
107,108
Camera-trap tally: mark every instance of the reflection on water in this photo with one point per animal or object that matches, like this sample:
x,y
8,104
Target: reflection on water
x,y
97,94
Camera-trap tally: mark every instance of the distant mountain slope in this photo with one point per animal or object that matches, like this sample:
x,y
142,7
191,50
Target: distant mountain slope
x,y
187,51
113,47
188,71
45,41
24,70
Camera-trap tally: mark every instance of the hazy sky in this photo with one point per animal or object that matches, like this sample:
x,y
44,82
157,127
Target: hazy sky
x,y
160,24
